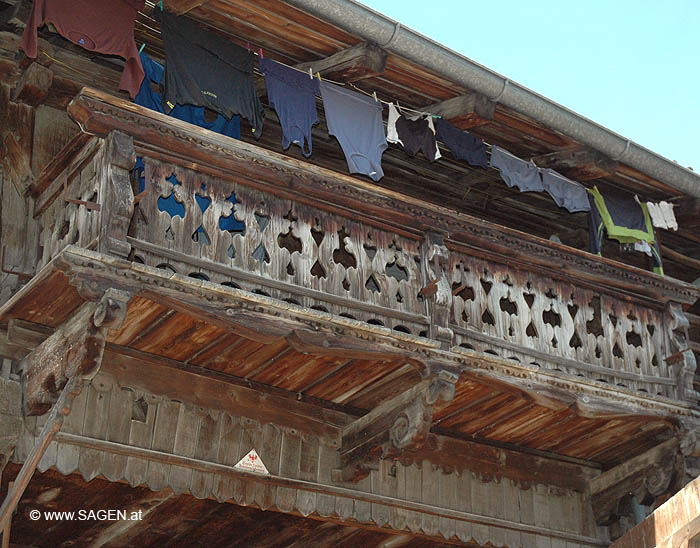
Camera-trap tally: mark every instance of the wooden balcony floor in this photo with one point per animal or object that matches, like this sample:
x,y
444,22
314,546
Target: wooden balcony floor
x,y
480,411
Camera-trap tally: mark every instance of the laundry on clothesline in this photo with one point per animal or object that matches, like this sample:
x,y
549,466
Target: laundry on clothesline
x,y
356,121
205,69
105,26
516,172
662,215
414,134
293,96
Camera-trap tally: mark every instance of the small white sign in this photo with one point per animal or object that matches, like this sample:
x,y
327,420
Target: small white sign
x,y
252,463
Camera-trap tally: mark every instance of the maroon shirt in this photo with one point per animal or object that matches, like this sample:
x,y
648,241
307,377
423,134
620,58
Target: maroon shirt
x,y
105,26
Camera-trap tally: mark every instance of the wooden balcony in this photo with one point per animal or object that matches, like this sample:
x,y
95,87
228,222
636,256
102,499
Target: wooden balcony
x,y
229,213
466,293
344,317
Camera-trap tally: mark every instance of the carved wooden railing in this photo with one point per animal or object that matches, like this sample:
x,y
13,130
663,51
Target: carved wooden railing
x,y
232,234
235,214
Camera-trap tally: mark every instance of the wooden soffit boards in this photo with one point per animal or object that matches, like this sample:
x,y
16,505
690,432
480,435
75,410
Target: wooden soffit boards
x,y
237,309
168,139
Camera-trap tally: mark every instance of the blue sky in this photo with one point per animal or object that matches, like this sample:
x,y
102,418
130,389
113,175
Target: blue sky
x,y
631,66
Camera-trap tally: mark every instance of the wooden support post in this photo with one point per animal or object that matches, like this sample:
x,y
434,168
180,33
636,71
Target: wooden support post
x,y
117,195
437,291
53,424
80,342
645,476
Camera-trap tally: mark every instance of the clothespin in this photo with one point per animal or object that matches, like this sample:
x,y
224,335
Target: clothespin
x,y
318,74
311,73
247,46
374,94
161,5
142,46
260,54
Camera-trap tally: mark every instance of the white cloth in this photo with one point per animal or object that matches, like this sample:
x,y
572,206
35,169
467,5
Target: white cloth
x,y
644,247
432,128
392,135
662,215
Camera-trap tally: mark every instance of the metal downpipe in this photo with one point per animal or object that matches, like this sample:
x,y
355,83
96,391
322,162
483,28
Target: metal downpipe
x,y
389,34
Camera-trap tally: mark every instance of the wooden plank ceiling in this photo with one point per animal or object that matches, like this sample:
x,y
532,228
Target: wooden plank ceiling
x,y
155,333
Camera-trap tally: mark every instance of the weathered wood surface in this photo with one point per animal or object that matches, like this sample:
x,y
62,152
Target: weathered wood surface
x,y
675,524
329,191
355,63
230,308
289,252
465,111
647,476
75,349
394,426
203,446
53,424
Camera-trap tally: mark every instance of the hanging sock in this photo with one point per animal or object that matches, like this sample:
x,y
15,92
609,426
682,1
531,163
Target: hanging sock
x,y
105,26
392,135
293,95
356,121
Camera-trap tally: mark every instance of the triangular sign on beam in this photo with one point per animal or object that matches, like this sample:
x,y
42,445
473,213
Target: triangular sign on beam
x,y
252,463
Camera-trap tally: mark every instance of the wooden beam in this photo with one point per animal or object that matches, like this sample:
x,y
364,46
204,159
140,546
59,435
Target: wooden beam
x,y
79,341
181,7
645,476
578,163
196,385
302,485
53,424
33,86
687,212
393,426
350,65
466,111
673,525
17,158
679,258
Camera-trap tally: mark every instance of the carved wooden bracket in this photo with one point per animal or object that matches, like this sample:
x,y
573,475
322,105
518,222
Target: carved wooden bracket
x,y
74,349
655,473
681,358
437,289
117,196
399,424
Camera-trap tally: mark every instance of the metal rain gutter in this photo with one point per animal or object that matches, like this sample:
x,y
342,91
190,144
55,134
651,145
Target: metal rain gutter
x,y
372,26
